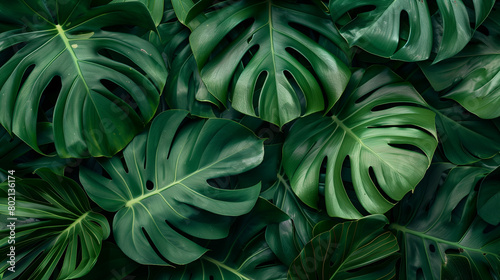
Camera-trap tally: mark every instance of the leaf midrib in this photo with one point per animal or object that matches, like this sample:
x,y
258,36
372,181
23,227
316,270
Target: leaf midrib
x,y
437,240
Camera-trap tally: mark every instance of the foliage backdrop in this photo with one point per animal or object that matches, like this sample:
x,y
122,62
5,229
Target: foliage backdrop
x,y
250,139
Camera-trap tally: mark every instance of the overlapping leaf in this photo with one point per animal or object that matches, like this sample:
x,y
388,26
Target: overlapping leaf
x,y
243,255
438,228
379,27
273,28
472,78
381,127
63,43
460,131
160,190
60,237
360,249
287,238
184,88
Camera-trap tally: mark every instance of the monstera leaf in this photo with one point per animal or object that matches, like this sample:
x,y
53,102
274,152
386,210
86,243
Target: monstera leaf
x,y
379,27
160,190
352,250
460,131
57,235
270,33
472,78
62,43
381,127
243,255
438,227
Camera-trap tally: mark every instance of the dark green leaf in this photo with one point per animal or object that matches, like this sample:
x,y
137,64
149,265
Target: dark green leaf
x,y
352,250
489,198
439,220
288,238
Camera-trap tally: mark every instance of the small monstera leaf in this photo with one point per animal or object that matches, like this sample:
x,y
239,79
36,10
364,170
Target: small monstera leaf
x,y
438,228
472,77
160,190
57,235
380,29
102,100
352,250
381,127
243,255
270,42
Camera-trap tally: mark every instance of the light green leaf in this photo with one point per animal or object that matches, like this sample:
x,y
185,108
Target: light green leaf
x,y
160,190
465,137
381,127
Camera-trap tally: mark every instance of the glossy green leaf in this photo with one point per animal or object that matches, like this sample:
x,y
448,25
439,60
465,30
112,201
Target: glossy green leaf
x,y
360,249
472,78
382,127
488,199
66,44
243,255
60,237
287,238
160,189
439,220
465,137
379,29
280,54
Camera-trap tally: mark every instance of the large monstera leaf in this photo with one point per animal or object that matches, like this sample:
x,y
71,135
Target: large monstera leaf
x,y
381,30
57,235
103,100
269,31
381,127
352,250
438,228
243,255
472,77
161,189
